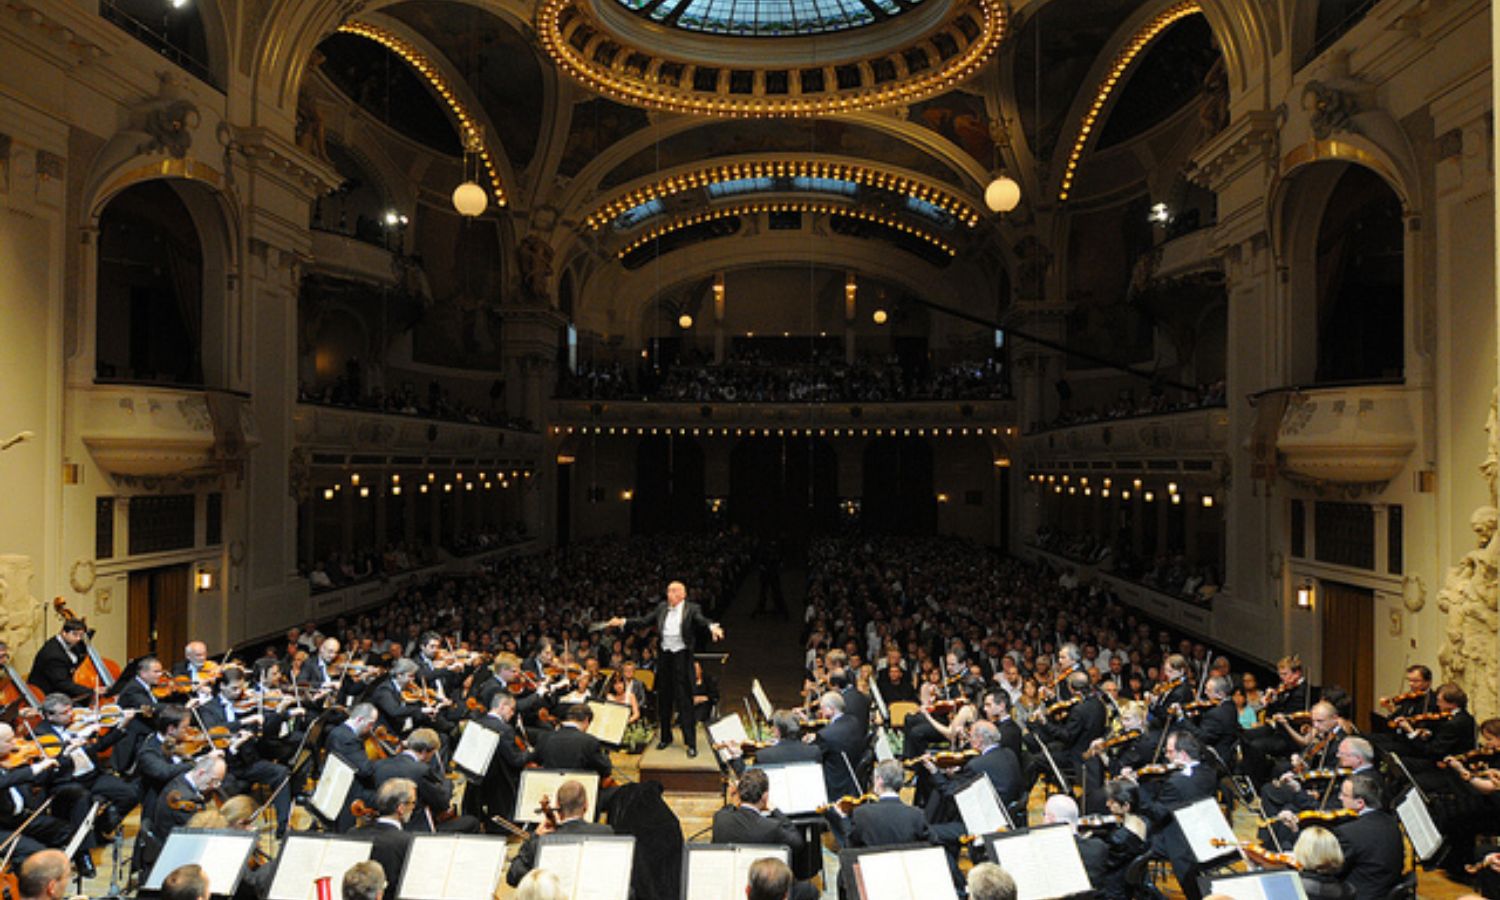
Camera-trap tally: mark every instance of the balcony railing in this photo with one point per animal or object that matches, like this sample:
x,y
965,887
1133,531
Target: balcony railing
x,y
1358,433
337,429
148,430
990,417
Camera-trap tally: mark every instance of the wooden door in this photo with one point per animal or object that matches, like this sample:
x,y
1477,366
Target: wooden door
x,y
1349,645
158,613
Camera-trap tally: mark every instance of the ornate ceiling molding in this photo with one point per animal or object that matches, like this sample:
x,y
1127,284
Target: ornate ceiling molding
x,y
430,72
693,178
607,61
798,206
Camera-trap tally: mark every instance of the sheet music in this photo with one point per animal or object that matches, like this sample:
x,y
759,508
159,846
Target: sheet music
x,y
332,794
1261,886
476,749
729,730
885,713
883,751
796,787
610,721
304,859
221,854
1426,840
906,875
1201,824
1044,861
761,700
606,861
452,867
979,806
536,782
721,872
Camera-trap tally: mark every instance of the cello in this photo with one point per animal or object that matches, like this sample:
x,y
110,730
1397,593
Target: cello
x,y
95,671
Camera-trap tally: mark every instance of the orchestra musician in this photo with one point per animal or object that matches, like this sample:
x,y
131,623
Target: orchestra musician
x,y
1125,838
53,667
1320,859
1172,692
194,658
347,742
395,804
1068,659
570,746
887,820
752,821
1218,728
677,623
841,743
572,803
396,713
495,795
1374,852
419,763
1083,724
1470,803
1263,743
841,678
179,799
246,765
1186,782
118,795
992,760
17,802
316,676
1061,808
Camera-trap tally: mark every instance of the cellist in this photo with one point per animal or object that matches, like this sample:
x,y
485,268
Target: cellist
x,y
52,669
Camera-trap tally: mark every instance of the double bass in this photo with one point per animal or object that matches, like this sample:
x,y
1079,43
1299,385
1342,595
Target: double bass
x,y
95,671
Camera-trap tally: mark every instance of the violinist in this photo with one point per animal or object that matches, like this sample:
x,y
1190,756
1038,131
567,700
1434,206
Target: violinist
x,y
1124,838
246,765
431,670
841,743
1172,691
1318,748
1219,726
1427,738
1416,699
182,798
887,820
119,796
1291,695
347,742
1068,660
1092,852
157,761
995,762
1081,725
419,762
1470,805
1187,782
572,804
1320,859
395,804
194,663
1374,851
753,821
396,713
786,745
17,801
1292,792
52,669
571,746
495,795
316,677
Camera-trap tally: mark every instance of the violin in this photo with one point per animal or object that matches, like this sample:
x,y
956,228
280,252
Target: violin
x,y
1110,743
95,671
548,811
381,743
942,707
423,696
1195,708
193,741
1257,853
1473,756
847,803
1098,822
1408,724
1056,710
176,801
1393,702
1272,694
943,759
363,811
1156,770
1326,774
1325,817
22,753
1163,688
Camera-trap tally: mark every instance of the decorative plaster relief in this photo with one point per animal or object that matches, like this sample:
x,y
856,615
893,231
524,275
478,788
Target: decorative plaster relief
x,y
20,613
1469,595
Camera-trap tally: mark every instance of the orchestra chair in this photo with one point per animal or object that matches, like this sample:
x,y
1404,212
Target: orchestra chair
x,y
900,710
1140,879
647,678
1407,889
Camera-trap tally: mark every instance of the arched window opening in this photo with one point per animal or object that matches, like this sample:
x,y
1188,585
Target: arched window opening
x,y
151,301
1360,281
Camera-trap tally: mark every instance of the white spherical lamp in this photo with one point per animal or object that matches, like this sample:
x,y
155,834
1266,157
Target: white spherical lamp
x,y
470,199
1003,194
685,321
880,317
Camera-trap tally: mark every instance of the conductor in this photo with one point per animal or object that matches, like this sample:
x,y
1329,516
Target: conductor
x,y
678,623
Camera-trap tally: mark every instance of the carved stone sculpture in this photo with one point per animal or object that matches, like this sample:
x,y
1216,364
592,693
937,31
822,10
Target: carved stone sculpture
x,y
170,126
1469,595
20,613
535,257
1328,109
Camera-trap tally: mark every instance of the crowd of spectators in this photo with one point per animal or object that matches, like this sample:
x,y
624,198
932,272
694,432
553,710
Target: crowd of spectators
x,y
510,604
1168,573
1127,405
471,542
340,569
907,607
751,380
349,390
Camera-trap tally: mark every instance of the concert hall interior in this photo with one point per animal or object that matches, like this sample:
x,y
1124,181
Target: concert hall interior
x,y
385,376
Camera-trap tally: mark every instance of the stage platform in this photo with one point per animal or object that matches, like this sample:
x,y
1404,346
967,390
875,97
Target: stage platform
x,y
677,772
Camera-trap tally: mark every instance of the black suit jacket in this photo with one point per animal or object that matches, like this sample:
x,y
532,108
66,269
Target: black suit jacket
x,y
1010,736
389,846
857,706
572,748
789,751
1374,854
525,859
1001,767
1084,723
694,622
840,740
395,712
52,670
746,825
434,791
1160,799
1095,856
887,821
350,747
1219,728
497,790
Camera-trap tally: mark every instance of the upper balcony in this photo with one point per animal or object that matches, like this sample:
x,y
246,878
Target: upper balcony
x,y
1345,434
141,430
994,417
344,430
347,256
1200,433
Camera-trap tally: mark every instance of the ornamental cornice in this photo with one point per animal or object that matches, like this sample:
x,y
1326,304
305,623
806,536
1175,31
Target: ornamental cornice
x,y
1225,156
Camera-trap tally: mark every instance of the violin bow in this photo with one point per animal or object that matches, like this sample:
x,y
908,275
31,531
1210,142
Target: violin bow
x,y
14,840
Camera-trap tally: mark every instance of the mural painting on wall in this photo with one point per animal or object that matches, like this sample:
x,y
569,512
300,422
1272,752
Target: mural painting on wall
x,y
597,125
960,118
460,327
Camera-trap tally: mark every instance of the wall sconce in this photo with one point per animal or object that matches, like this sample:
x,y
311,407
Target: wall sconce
x,y
1208,501
354,479
205,580
1150,497
327,493
364,492
1305,594
942,498
627,495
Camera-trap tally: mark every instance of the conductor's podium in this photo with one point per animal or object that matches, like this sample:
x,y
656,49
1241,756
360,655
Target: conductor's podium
x,y
676,772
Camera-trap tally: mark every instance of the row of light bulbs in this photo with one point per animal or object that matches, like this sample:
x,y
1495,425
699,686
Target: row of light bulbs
x,y
626,431
1061,484
642,91
693,179
797,206
395,487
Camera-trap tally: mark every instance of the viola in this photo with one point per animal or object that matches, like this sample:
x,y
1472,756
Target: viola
x,y
1110,743
176,801
1156,770
847,803
363,811
95,671
193,741
942,707
1326,774
22,753
1325,817
547,811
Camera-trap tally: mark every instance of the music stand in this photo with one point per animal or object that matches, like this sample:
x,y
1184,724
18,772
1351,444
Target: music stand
x,y
221,852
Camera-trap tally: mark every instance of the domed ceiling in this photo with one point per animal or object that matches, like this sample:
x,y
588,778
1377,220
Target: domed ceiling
x,y
768,18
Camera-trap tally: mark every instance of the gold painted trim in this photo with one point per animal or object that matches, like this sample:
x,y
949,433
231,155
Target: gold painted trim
x,y
1332,149
427,70
613,82
799,206
190,169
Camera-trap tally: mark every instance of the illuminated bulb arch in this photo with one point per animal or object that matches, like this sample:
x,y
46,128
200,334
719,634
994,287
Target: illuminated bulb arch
x,y
1138,42
797,206
428,70
553,17
946,200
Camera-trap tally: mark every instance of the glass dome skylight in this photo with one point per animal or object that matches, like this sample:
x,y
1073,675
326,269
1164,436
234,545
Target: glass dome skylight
x,y
768,18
